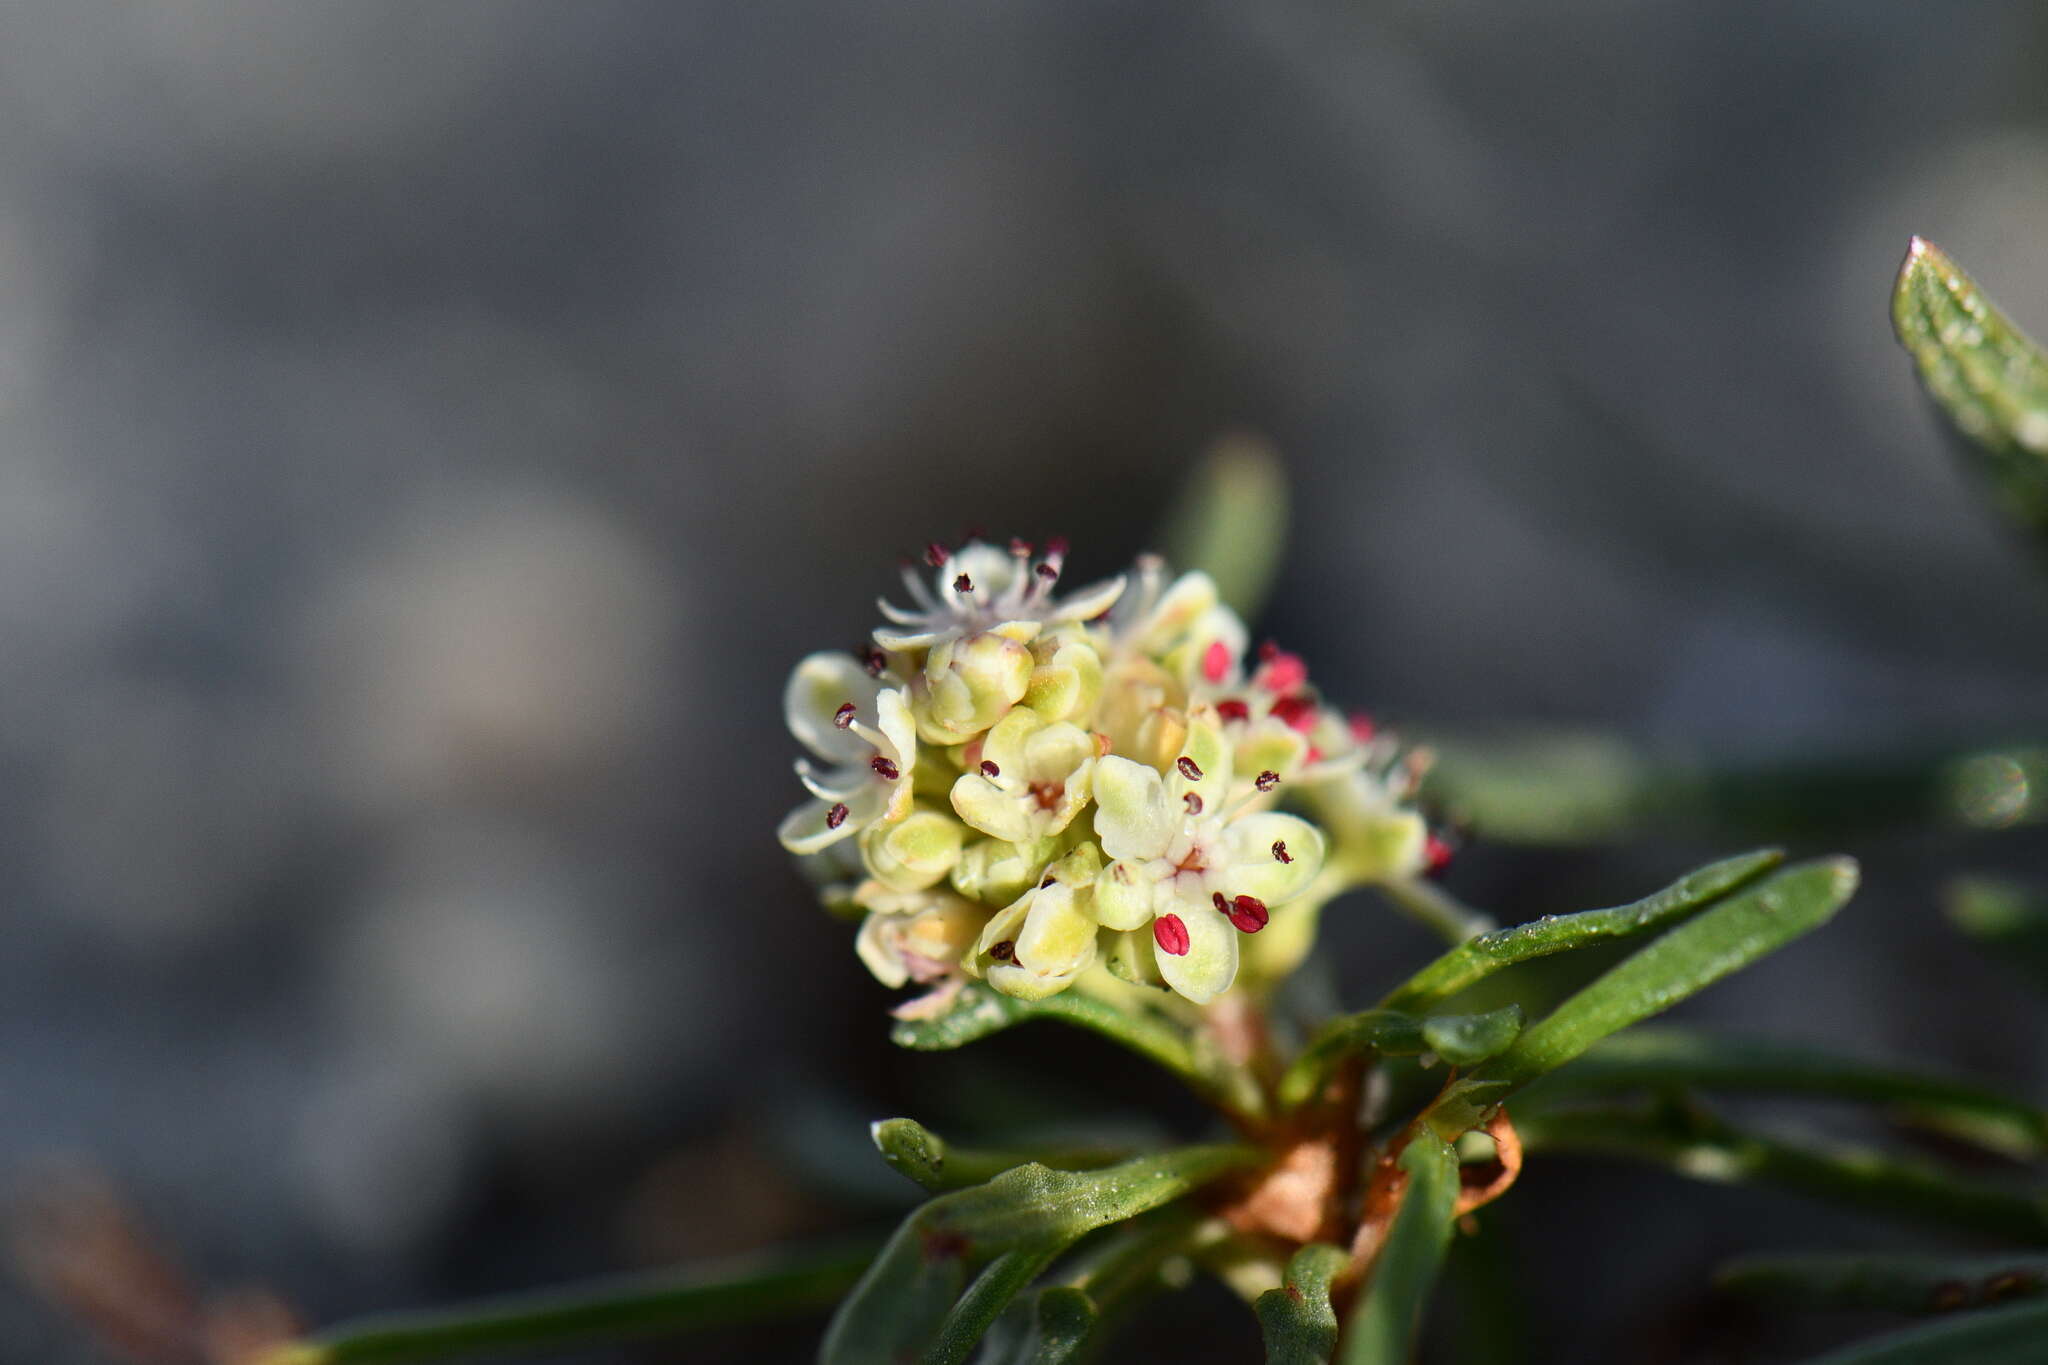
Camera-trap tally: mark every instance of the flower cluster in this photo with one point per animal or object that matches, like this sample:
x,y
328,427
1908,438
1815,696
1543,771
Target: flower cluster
x,y
1023,787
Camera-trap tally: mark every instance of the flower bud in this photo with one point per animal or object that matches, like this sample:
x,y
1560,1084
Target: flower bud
x,y
914,853
968,684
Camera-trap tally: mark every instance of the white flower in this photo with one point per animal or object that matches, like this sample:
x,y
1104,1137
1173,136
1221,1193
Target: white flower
x,y
1029,780
1040,943
918,938
981,588
1197,870
846,718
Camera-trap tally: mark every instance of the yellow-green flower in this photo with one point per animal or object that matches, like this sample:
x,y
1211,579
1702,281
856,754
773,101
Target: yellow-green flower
x,y
1028,780
1197,871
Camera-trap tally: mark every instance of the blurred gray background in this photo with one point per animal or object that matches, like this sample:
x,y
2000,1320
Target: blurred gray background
x,y
428,434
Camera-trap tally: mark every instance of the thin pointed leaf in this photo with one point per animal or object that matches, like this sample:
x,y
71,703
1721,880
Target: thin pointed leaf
x,y
979,1011
1724,939
1668,1058
1383,1326
2007,919
999,1282
1461,1039
1481,957
2002,1336
1888,1284
1064,1318
1299,1324
923,1156
1694,1143
1231,522
1987,377
1027,1215
618,1309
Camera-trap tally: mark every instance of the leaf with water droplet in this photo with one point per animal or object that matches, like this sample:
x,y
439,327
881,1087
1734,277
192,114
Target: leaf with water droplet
x,y
1481,957
1729,936
1987,377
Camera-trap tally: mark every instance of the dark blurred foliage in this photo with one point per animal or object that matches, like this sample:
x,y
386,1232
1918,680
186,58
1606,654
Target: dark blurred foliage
x,y
428,434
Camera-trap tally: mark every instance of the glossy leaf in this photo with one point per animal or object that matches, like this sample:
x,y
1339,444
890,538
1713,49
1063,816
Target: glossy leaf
x,y
1461,1039
1890,1284
1664,1059
1985,375
1481,957
2007,919
923,1156
1383,1325
618,1309
2001,1336
1013,1225
1299,1324
1729,936
1696,1144
1231,521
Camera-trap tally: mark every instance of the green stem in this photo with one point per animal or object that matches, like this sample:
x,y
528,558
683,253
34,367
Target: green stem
x,y
1436,909
607,1310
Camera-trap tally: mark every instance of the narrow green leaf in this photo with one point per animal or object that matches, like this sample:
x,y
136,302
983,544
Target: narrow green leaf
x,y
2007,919
1231,521
1888,1284
1672,1058
1724,939
1460,1039
1018,1221
1481,957
999,1282
980,1011
1299,1324
1694,1143
1383,1326
1065,1317
2002,1336
923,1156
1986,376
618,1309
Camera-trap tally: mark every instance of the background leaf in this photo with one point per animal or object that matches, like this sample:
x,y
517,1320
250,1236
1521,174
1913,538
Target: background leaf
x,y
2001,1336
1894,1284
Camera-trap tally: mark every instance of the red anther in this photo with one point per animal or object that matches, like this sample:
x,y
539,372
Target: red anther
x,y
836,817
1362,728
963,584
1171,935
1266,780
1248,914
1233,709
1283,673
1048,572
1280,852
989,769
1005,951
1216,661
1436,855
1020,548
1268,651
1193,801
885,768
843,717
936,555
1187,768
1056,548
1296,712
874,660
1222,905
